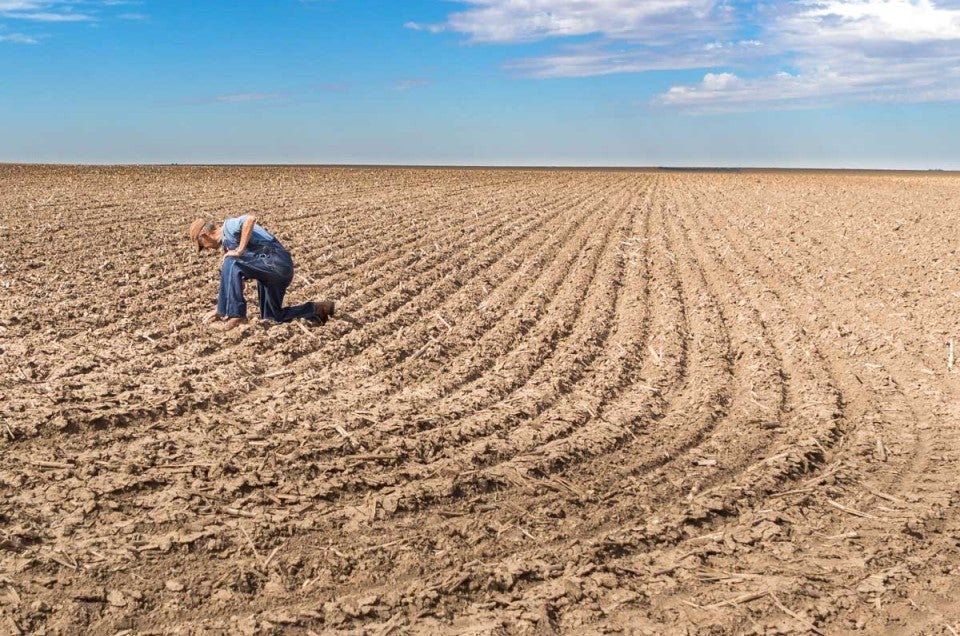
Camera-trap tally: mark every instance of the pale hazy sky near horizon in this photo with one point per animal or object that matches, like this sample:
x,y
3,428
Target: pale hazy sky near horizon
x,y
804,83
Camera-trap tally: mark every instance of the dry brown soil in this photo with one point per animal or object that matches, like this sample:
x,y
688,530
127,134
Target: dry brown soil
x,y
579,402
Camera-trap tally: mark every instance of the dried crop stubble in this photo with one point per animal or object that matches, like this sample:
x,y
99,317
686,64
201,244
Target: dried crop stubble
x,y
460,379
578,400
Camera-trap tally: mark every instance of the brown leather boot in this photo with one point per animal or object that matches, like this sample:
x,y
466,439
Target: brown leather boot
x,y
325,309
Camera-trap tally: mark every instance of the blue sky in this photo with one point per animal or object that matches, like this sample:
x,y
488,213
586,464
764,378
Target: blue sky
x,y
805,83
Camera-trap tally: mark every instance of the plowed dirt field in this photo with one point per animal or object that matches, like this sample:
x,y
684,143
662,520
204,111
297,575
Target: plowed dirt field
x,y
579,401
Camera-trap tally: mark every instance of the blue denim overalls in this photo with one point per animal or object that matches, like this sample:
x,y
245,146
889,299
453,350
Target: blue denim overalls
x,y
268,263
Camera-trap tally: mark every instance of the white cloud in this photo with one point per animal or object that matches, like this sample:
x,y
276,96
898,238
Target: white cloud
x,y
848,21
431,28
720,81
47,16
407,84
227,98
805,51
64,11
604,59
813,87
846,51
503,21
234,98
46,10
726,91
626,36
18,38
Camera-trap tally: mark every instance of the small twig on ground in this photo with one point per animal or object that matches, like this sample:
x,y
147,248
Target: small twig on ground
x,y
348,318
657,357
881,451
796,617
883,495
276,374
666,570
250,541
416,354
184,465
853,534
787,493
851,511
223,577
239,513
346,435
303,329
338,553
373,548
54,465
371,456
272,554
526,533
743,598
63,562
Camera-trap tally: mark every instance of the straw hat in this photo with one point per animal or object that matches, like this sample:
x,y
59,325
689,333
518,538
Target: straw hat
x,y
198,226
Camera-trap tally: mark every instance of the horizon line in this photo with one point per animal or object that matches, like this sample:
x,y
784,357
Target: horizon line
x,y
432,166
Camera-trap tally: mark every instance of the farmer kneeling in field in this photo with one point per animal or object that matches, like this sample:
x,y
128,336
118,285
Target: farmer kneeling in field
x,y
252,253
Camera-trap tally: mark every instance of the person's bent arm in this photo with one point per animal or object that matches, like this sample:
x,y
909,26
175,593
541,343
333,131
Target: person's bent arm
x,y
245,233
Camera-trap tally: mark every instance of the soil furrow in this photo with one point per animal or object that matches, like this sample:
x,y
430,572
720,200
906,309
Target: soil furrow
x,y
580,402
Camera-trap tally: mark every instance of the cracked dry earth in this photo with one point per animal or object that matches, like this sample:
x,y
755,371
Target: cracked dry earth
x,y
578,402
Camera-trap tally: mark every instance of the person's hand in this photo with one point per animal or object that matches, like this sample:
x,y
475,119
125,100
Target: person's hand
x,y
233,253
210,315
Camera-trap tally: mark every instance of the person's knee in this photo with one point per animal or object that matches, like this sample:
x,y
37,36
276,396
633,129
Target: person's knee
x,y
230,269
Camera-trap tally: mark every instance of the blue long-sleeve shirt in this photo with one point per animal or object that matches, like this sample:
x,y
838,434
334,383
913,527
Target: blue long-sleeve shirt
x,y
230,238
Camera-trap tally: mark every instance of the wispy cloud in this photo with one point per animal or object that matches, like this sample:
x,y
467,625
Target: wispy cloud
x,y
409,83
230,98
417,26
234,98
21,5
598,58
623,36
503,21
726,92
815,52
50,12
18,38
845,51
47,10
45,16
246,97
